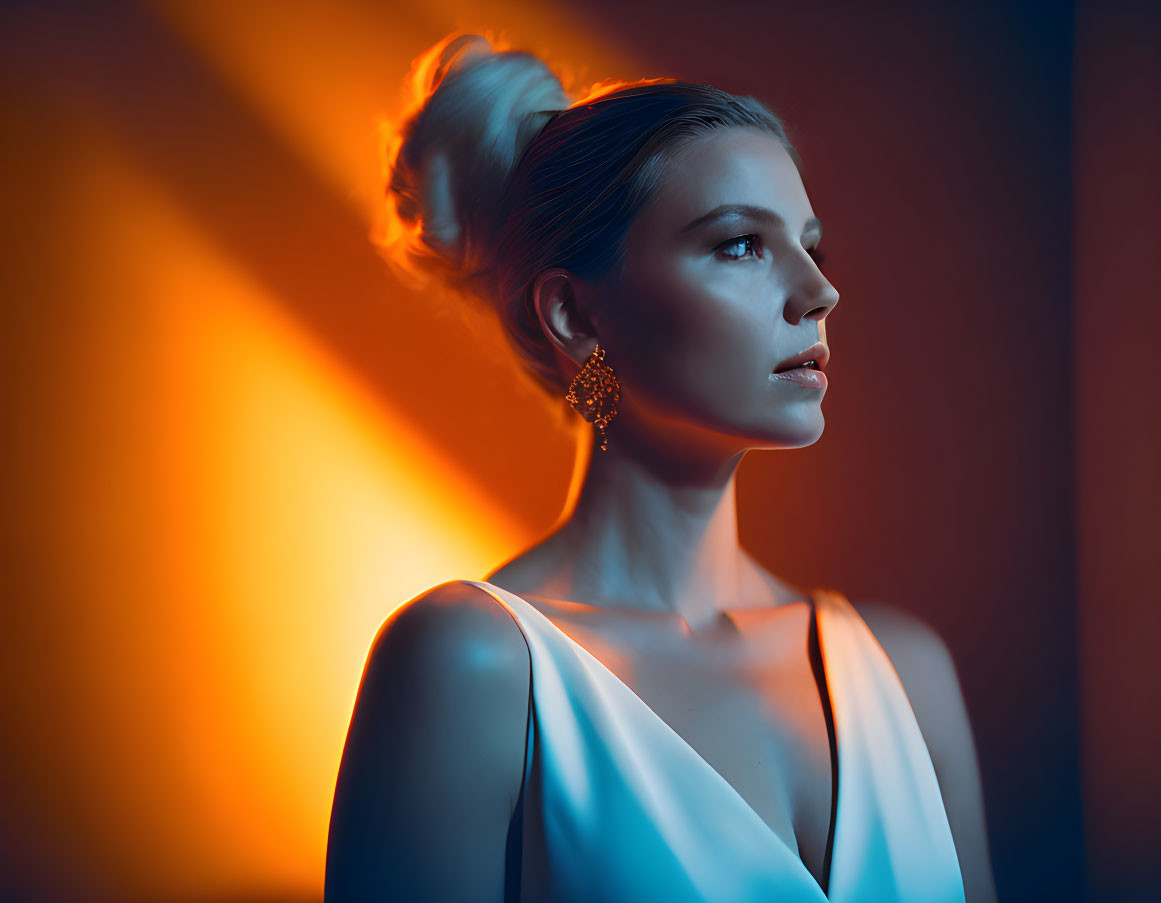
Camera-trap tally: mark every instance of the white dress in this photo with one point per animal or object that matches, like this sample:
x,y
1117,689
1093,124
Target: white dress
x,y
616,806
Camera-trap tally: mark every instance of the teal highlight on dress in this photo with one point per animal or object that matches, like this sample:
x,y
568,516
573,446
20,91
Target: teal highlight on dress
x,y
617,806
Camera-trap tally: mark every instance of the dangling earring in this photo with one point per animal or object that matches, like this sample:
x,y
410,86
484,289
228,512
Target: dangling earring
x,y
594,393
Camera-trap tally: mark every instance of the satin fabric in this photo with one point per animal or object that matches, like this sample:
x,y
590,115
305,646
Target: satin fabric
x,y
617,806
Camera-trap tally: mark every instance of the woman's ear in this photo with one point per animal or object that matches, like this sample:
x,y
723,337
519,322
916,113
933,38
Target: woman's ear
x,y
562,306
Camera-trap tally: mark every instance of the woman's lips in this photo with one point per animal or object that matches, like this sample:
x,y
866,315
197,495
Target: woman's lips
x,y
803,376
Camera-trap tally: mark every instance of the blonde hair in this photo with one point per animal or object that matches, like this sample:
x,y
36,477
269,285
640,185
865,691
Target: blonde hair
x,y
475,110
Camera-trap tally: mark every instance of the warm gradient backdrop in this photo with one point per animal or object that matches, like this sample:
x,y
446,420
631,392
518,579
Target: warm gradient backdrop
x,y
233,444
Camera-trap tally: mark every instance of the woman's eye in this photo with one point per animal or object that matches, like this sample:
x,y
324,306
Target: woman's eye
x,y
747,242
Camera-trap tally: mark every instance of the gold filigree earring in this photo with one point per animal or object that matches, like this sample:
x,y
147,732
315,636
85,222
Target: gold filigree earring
x,y
594,393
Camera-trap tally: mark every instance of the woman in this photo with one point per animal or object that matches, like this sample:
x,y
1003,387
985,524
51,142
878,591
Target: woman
x,y
634,709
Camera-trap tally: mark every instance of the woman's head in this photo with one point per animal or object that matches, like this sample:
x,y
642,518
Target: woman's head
x,y
572,222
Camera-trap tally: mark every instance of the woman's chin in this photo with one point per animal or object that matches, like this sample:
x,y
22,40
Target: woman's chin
x,y
795,432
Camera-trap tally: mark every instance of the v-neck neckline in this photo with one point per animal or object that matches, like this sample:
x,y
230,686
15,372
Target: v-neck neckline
x,y
814,626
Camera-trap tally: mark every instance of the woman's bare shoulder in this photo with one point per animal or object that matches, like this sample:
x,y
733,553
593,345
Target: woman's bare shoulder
x,y
903,634
454,656
434,758
459,625
921,660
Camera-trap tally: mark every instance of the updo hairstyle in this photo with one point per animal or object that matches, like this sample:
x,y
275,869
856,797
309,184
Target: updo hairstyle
x,y
494,176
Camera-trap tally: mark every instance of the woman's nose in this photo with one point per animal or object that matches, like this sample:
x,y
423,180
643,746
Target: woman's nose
x,y
813,298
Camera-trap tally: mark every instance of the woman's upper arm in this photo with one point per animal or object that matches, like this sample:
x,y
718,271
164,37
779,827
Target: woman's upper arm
x,y
434,757
927,672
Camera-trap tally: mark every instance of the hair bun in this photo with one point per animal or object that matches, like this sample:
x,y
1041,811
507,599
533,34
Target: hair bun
x,y
475,111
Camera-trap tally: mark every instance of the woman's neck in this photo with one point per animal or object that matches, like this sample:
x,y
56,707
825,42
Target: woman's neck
x,y
651,532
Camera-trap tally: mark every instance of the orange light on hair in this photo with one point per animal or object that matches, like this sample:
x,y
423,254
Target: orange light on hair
x,y
611,86
399,233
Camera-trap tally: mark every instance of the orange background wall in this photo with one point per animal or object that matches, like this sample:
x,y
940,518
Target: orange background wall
x,y
233,444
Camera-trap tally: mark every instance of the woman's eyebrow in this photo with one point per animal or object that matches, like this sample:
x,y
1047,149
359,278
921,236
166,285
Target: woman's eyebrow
x,y
760,214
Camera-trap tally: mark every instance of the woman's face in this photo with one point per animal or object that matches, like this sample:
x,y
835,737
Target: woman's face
x,y
720,288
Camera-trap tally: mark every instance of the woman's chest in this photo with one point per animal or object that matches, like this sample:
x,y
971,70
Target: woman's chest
x,y
753,708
